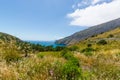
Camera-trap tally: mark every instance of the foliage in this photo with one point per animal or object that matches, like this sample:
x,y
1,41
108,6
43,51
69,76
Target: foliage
x,y
71,71
59,48
73,48
110,35
61,63
48,66
88,51
40,55
89,45
66,54
11,55
40,48
102,42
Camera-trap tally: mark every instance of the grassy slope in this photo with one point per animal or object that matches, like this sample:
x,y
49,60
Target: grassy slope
x,y
113,42
12,45
105,60
104,64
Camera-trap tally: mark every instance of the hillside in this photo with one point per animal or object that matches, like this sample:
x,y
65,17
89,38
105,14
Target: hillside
x,y
111,39
13,45
6,38
96,58
95,30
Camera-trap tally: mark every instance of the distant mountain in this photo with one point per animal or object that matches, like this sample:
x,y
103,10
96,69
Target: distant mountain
x,y
92,31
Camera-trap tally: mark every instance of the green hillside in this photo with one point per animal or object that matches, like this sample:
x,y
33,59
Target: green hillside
x,y
8,38
111,41
96,58
100,54
12,48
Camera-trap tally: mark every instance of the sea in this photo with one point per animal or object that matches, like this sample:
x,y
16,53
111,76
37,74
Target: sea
x,y
46,43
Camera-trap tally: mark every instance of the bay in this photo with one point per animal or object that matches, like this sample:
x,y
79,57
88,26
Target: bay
x,y
45,43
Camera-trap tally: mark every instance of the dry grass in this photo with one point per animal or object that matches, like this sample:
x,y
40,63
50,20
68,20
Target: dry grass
x,y
103,64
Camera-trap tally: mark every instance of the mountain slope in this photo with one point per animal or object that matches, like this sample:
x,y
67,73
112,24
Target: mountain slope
x,y
11,43
95,30
6,38
112,38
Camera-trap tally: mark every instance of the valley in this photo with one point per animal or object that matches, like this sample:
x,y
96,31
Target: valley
x,y
95,58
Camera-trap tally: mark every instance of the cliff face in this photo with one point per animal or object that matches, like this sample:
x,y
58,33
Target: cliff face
x,y
95,30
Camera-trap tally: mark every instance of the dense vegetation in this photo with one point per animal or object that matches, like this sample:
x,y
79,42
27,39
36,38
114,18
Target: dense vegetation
x,y
96,58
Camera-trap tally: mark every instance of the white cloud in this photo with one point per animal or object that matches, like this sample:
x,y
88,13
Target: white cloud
x,y
80,4
83,3
97,14
95,1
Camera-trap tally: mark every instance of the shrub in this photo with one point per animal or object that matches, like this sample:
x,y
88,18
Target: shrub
x,y
102,42
70,57
54,70
118,54
75,61
89,45
59,48
11,55
40,55
38,47
88,51
67,54
49,48
73,48
110,35
71,71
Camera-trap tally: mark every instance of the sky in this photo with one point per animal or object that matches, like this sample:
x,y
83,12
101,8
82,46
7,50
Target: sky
x,y
54,19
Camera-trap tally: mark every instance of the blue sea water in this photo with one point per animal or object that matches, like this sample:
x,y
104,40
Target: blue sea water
x,y
46,43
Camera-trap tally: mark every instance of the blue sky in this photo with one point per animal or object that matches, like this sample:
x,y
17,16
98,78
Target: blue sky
x,y
41,19
36,19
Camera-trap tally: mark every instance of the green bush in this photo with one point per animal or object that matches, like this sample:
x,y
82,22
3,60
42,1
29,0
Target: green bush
x,y
71,71
110,35
49,48
73,48
59,48
70,57
88,51
67,54
118,54
11,55
40,55
55,71
89,45
102,42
